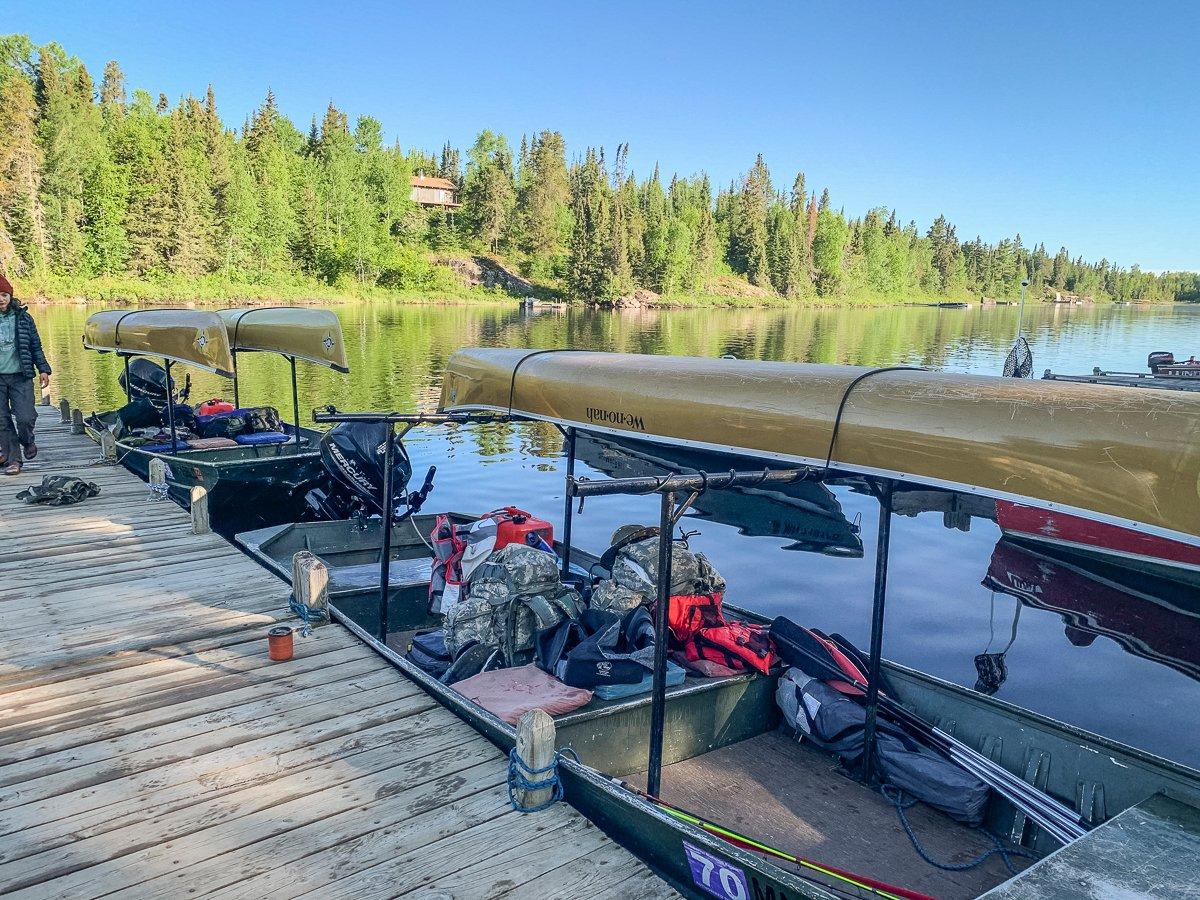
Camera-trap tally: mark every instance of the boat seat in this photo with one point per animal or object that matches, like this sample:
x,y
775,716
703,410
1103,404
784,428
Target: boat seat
x,y
259,438
364,576
1149,850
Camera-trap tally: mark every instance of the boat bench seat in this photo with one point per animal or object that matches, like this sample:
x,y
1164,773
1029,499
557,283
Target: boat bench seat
x,y
1149,850
364,576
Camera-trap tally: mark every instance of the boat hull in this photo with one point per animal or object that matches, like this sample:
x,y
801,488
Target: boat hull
x,y
247,488
1076,535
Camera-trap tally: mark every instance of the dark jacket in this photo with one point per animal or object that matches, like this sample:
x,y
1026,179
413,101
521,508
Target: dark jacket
x,y
29,343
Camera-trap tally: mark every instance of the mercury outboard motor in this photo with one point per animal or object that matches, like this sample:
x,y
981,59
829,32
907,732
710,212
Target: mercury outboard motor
x,y
1160,358
353,456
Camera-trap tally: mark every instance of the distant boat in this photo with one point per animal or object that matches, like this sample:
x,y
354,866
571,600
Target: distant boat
x,y
1165,374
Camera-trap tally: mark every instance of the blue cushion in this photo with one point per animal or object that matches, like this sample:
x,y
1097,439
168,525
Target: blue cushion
x,y
675,675
263,437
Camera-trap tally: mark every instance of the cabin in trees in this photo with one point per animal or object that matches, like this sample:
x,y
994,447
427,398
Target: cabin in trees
x,y
435,192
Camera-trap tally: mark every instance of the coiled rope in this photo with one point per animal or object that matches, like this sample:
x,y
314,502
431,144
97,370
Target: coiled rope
x,y
523,777
902,803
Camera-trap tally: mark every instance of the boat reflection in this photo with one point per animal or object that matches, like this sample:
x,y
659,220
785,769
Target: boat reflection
x,y
806,514
1149,617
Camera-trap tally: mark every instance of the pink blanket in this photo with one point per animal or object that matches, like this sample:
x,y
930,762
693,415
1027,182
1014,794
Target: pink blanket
x,y
510,693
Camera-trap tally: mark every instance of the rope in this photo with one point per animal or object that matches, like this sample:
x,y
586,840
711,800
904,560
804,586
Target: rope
x,y
524,778
897,798
310,617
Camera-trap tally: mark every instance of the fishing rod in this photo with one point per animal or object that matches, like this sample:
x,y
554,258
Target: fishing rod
x,y
1062,823
862,882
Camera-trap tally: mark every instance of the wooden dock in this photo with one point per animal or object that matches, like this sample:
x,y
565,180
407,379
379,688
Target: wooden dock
x,y
148,747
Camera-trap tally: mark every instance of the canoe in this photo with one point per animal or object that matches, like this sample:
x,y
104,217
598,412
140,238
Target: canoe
x,y
1129,458
189,336
297,332
727,760
248,486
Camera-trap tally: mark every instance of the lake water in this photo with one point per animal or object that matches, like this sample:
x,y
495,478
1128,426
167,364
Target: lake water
x,y
1082,648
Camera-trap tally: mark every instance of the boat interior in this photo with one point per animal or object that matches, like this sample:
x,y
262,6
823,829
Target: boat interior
x,y
729,758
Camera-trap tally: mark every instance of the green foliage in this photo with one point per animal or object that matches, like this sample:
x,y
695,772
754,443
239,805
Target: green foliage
x,y
127,189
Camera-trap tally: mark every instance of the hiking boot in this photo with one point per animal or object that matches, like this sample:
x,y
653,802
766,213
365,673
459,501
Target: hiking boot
x,y
13,468
30,450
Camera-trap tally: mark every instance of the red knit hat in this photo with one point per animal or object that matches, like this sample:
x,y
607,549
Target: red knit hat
x,y
5,286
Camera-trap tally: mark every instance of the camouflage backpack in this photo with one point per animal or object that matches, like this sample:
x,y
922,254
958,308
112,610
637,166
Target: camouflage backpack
x,y
510,597
634,578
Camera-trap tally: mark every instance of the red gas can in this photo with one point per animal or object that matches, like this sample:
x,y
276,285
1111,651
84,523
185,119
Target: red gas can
x,y
516,526
212,407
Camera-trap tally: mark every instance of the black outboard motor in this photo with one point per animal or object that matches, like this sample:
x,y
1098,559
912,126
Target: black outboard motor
x,y
353,455
1160,358
148,380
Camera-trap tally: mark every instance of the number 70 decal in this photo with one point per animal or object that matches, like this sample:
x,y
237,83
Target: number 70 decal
x,y
715,876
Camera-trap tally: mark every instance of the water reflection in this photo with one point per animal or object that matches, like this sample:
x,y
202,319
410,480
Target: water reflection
x,y
1148,617
806,514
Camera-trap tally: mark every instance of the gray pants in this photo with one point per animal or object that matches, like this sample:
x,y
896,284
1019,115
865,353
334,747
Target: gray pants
x,y
16,406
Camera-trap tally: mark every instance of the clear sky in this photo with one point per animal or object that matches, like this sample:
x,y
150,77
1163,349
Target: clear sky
x,y
1074,123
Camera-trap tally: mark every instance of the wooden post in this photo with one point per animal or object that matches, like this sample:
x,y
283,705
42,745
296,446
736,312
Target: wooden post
x,y
310,582
158,472
76,421
108,446
535,745
64,411
200,523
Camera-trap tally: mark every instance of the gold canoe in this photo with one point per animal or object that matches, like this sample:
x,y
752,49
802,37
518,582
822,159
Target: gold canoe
x,y
189,336
300,332
1130,458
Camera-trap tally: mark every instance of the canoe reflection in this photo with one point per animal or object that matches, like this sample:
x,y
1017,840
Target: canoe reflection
x,y
805,513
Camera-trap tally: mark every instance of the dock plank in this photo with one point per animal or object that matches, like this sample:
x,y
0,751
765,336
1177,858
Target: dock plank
x,y
148,747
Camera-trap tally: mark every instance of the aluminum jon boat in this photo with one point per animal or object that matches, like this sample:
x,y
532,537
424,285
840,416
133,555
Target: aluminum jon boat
x,y
248,486
1129,460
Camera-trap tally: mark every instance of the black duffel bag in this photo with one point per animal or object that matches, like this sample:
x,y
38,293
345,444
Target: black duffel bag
x,y
599,648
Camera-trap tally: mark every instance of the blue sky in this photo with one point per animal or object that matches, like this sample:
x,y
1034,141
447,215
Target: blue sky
x,y
1072,123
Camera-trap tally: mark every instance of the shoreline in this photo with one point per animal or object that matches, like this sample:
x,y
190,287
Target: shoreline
x,y
151,294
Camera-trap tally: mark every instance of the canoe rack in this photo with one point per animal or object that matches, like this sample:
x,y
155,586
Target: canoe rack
x,y
668,487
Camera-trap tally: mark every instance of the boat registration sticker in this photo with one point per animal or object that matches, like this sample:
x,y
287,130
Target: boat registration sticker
x,y
715,876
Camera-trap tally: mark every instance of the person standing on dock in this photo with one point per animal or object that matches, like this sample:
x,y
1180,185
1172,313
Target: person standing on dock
x,y
20,355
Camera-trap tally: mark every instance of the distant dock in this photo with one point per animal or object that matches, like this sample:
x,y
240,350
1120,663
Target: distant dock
x,y
149,747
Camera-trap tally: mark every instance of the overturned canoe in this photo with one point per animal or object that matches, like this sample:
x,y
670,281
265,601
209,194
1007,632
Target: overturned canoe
x,y
1130,458
314,335
189,336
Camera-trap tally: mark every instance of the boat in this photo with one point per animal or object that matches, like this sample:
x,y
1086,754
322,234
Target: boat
x,y
247,486
1088,539
1165,374
714,746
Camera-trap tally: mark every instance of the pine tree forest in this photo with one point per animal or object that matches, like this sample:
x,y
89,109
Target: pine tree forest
x,y
101,184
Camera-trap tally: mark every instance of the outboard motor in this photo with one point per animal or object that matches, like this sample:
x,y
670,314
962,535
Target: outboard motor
x,y
1158,359
353,456
148,381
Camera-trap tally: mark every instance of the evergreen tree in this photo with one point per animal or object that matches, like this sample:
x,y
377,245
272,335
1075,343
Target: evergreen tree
x,y
748,229
23,239
543,203
488,189
588,275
